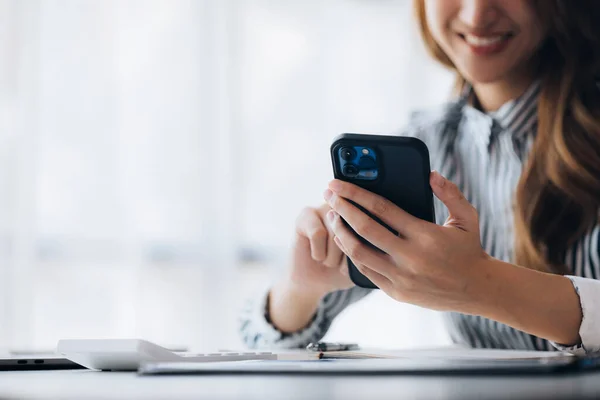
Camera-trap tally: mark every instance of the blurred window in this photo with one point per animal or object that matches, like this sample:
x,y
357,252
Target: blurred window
x,y
155,154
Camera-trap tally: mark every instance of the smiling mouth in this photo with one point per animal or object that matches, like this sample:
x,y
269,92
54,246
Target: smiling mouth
x,y
487,44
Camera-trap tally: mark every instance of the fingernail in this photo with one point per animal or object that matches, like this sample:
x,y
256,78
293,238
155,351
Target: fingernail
x,y
327,195
438,179
331,215
337,240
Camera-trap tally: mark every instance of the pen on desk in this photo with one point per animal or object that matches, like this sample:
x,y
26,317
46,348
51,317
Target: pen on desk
x,y
322,346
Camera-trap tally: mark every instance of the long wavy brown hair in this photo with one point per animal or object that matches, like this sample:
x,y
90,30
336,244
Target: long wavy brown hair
x,y
558,194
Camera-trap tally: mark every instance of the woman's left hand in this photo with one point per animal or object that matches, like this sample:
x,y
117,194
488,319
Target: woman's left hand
x,y
433,266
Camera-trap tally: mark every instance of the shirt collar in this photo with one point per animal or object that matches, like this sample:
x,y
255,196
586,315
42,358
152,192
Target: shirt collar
x,y
518,116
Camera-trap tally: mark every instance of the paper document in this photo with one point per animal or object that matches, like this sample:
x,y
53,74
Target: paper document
x,y
449,353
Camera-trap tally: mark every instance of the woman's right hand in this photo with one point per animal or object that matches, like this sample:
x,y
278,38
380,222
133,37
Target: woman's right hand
x,y
317,263
318,267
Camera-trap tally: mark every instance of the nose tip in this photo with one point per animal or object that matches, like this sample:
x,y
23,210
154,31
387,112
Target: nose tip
x,y
478,13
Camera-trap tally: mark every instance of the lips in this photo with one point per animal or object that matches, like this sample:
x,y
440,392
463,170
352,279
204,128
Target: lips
x,y
486,44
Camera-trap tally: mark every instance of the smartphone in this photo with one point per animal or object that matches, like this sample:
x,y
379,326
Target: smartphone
x,y
394,167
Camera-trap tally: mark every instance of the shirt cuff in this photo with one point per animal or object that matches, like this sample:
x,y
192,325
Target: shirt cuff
x,y
273,337
588,291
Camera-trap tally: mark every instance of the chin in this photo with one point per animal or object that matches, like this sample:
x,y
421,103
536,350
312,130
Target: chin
x,y
482,75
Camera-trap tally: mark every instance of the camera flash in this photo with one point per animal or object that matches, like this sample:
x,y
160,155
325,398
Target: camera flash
x,y
365,151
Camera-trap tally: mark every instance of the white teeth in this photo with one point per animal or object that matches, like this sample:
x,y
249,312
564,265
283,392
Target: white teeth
x,y
483,41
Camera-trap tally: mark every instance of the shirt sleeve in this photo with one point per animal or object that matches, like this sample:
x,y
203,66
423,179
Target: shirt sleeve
x,y
258,332
588,291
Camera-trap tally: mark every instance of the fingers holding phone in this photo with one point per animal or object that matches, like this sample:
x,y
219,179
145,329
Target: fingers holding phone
x,y
317,267
333,256
318,264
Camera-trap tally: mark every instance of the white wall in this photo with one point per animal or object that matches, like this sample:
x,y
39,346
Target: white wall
x,y
145,144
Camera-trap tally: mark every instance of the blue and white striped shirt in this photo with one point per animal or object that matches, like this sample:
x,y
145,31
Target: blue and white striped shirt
x,y
484,154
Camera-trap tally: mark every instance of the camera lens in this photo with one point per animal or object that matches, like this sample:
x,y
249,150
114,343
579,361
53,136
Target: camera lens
x,y
350,170
347,153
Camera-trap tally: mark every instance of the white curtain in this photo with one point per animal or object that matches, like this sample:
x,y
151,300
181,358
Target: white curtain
x,y
154,155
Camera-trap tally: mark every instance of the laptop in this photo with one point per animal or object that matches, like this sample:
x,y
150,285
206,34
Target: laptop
x,y
32,361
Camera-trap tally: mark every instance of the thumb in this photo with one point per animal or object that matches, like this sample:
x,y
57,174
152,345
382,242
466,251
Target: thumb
x,y
462,214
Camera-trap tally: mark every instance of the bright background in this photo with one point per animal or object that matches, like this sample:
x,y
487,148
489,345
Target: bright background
x,y
155,153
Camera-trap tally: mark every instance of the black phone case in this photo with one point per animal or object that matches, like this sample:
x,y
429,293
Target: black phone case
x,y
403,179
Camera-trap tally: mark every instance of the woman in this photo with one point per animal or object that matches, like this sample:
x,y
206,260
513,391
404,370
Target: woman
x,y
516,262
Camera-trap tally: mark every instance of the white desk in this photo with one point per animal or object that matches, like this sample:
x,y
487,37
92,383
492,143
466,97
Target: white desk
x,y
116,385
